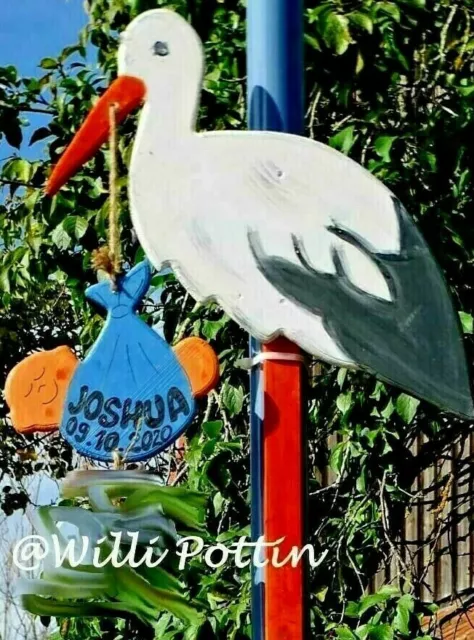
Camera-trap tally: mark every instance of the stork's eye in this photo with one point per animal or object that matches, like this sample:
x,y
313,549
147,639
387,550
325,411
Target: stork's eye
x,y
160,48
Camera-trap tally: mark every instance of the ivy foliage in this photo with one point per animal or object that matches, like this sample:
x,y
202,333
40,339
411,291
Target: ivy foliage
x,y
389,83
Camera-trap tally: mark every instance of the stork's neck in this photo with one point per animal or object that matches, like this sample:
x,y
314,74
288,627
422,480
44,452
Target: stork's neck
x,y
169,115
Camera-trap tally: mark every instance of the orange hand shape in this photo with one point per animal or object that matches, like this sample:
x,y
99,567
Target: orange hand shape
x,y
36,388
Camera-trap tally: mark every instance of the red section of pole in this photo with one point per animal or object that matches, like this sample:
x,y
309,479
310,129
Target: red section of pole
x,y
275,72
284,493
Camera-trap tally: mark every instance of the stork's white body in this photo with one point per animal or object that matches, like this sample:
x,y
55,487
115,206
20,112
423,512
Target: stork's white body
x,y
195,199
288,235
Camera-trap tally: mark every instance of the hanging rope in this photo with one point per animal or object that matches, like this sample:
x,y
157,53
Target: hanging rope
x,y
118,461
108,258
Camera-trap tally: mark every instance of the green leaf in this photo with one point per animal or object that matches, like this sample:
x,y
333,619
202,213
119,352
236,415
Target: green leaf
x,y
212,429
406,407
361,483
210,328
418,4
336,32
390,9
211,80
383,146
389,409
467,322
431,607
466,91
75,226
5,280
9,73
13,132
341,377
380,632
320,11
312,42
344,402
322,593
60,237
401,622
352,609
389,591
17,169
362,20
378,390
374,599
40,134
402,59
336,458
233,399
49,63
218,502
217,471
344,633
343,140
430,159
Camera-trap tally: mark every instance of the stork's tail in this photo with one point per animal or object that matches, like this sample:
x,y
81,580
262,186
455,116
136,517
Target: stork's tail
x,y
413,341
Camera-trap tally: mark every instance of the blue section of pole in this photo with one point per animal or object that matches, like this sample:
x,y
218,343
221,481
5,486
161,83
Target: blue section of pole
x,y
256,488
275,102
275,65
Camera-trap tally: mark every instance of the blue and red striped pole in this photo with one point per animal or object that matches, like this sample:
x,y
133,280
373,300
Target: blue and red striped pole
x,y
278,446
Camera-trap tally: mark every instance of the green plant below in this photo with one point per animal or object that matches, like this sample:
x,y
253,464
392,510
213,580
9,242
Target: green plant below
x,y
114,504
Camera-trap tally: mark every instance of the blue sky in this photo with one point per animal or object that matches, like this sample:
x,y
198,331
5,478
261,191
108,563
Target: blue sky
x,y
34,29
29,31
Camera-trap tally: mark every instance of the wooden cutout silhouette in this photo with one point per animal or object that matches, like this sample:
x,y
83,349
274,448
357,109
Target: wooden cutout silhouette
x,y
196,357
131,395
272,225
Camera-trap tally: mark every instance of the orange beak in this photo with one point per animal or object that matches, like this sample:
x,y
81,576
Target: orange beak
x,y
127,93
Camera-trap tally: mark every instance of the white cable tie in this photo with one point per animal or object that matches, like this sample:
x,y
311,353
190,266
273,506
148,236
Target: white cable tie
x,y
250,363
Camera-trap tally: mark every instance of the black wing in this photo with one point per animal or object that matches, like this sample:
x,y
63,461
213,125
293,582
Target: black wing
x,y
413,342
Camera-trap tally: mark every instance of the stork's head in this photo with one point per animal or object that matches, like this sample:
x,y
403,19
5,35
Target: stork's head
x,y
160,48
160,57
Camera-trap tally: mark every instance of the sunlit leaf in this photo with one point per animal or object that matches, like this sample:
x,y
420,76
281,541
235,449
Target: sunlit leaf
x,y
406,407
383,146
336,32
343,140
60,237
467,322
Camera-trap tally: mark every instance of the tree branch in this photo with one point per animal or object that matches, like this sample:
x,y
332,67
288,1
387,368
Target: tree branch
x,y
18,183
26,108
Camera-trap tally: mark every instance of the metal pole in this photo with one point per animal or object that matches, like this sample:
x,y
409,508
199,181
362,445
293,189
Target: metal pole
x,y
275,102
256,488
275,65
